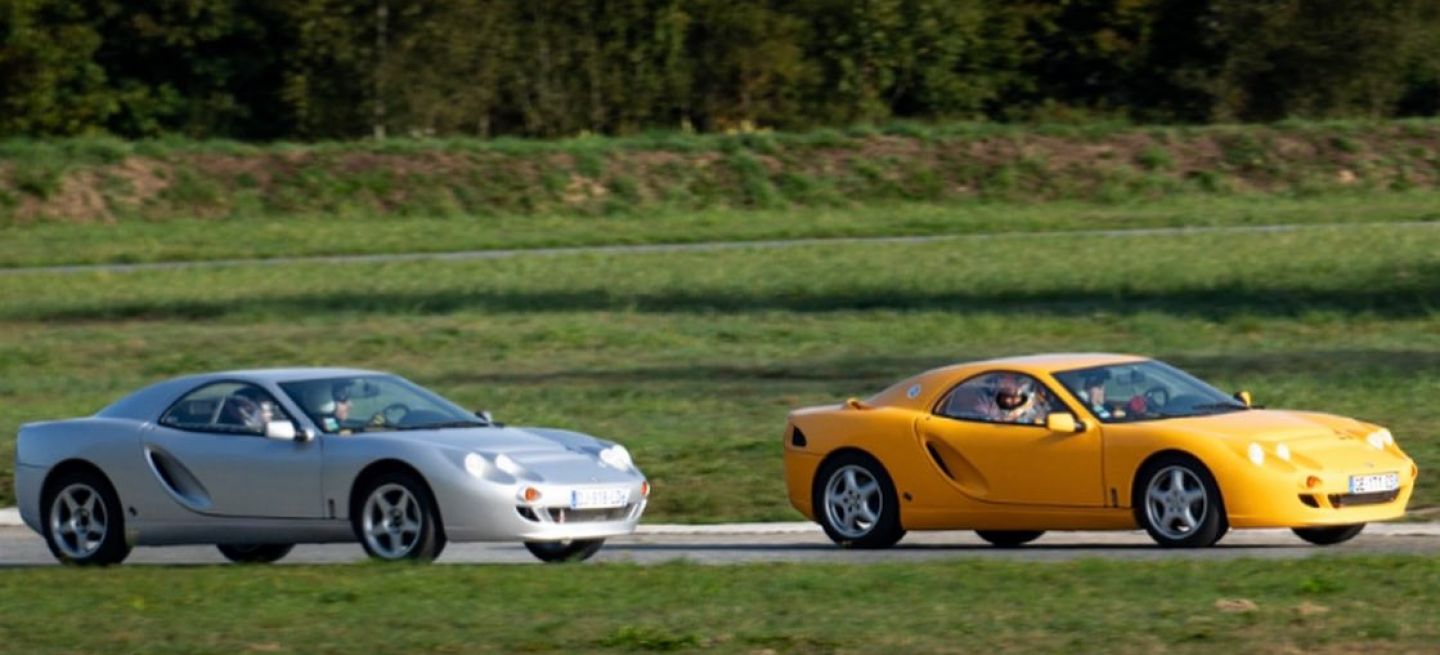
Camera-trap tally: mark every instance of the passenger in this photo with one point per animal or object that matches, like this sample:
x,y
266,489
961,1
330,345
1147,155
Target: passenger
x,y
330,406
1016,401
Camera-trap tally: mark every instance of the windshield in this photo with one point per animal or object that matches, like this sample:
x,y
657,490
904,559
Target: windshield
x,y
370,403
1144,391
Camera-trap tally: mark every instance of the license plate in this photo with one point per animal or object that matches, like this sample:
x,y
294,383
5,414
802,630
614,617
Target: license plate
x,y
1365,484
598,498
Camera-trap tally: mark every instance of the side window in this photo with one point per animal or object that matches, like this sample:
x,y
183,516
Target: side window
x,y
229,407
1000,398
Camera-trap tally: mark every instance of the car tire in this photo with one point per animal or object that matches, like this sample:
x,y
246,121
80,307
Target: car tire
x,y
395,519
854,500
254,553
84,524
557,552
1009,538
1178,503
1329,536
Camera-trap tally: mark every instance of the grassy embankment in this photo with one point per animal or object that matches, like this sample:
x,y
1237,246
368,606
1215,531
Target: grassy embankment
x,y
182,200
693,359
1379,605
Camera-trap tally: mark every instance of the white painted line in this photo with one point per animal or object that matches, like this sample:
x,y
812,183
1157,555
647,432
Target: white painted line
x,y
10,517
728,528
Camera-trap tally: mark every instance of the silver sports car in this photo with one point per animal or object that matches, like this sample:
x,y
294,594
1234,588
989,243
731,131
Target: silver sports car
x,y
257,461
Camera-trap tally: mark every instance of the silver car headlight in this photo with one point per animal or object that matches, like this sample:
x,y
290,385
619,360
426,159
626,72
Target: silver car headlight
x,y
617,457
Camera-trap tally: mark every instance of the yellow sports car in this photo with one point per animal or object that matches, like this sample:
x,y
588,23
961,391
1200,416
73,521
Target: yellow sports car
x,y
1013,447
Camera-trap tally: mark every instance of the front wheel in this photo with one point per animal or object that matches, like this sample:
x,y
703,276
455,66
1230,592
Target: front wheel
x,y
574,550
1179,504
856,503
396,519
1009,538
254,553
1329,536
83,522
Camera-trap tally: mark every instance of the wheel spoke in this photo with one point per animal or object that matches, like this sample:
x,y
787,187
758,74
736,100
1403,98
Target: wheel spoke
x,y
410,527
1193,496
1188,520
868,488
1156,495
1177,480
850,483
866,513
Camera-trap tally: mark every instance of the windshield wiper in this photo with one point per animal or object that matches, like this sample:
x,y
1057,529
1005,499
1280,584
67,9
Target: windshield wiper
x,y
1217,406
443,425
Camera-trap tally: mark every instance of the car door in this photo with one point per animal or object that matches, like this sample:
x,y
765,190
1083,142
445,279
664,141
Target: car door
x,y
1007,455
210,452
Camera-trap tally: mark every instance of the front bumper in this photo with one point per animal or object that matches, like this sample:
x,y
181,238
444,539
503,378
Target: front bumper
x,y
482,511
1284,500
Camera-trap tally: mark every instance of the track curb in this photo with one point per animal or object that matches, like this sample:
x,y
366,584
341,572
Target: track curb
x,y
10,518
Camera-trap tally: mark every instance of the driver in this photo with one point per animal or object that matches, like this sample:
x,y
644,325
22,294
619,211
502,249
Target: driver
x,y
1093,393
331,407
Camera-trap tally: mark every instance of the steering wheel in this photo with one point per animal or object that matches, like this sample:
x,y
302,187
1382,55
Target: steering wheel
x,y
391,415
1157,397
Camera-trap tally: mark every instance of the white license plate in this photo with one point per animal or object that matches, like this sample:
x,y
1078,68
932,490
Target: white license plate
x,y
598,498
1365,484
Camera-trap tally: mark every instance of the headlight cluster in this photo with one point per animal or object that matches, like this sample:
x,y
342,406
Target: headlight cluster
x,y
1381,438
1257,453
617,457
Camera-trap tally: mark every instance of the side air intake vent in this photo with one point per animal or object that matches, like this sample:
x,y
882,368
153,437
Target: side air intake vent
x,y
797,438
939,461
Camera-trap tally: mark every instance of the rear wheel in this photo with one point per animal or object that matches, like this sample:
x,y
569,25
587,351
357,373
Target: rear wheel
x,y
254,553
1009,538
573,550
396,519
1178,503
1329,536
855,502
83,522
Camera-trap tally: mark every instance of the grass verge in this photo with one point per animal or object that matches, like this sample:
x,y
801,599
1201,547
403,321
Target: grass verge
x,y
1316,605
693,359
40,244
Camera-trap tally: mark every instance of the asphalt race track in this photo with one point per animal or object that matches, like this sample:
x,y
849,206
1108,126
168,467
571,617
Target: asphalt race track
x,y
798,542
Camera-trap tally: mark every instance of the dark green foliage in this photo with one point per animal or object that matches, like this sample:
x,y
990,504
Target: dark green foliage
x,y
337,69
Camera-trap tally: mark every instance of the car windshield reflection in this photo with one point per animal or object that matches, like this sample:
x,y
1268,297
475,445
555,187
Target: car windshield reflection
x,y
374,403
1145,391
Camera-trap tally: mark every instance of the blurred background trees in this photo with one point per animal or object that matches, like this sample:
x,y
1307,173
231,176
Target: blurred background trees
x,y
311,69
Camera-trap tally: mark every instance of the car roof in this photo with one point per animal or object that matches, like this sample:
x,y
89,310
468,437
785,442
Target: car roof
x,y
928,384
290,374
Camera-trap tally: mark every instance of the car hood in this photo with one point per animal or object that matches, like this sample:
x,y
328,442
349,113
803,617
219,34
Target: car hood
x,y
1271,425
542,454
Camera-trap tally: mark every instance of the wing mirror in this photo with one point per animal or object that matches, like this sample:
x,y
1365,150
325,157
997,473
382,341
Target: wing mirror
x,y
1244,398
286,431
488,418
1063,422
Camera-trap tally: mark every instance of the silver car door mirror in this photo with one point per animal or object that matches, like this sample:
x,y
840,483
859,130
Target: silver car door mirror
x,y
485,416
284,430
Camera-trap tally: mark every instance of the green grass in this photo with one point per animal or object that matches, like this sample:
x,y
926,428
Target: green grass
x,y
265,238
1318,605
693,359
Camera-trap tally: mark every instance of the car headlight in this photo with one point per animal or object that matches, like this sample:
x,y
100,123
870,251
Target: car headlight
x,y
475,465
617,457
1257,454
1380,439
1283,452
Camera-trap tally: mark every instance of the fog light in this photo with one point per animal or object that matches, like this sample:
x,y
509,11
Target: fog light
x,y
1312,482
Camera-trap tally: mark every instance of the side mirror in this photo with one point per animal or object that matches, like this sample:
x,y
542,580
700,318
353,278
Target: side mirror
x,y
1244,398
283,430
1063,422
485,416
